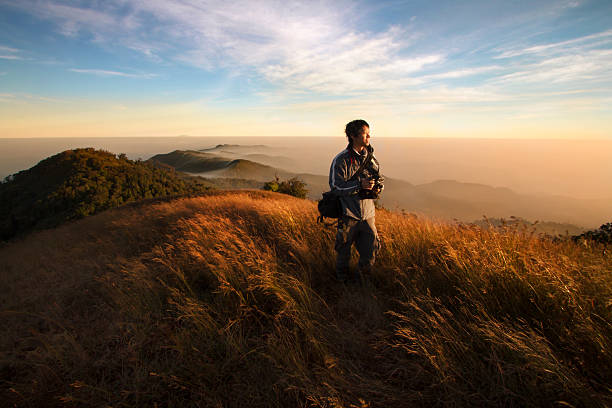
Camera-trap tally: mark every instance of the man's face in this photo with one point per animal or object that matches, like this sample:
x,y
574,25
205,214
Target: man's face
x,y
362,139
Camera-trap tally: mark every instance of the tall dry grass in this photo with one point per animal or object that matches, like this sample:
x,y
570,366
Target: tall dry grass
x,y
229,300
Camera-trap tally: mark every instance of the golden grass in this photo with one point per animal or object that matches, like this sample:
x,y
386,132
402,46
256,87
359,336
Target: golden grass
x,y
229,300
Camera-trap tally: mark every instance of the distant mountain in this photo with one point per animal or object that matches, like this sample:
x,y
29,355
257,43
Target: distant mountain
x,y
274,161
212,166
502,202
81,182
467,191
192,161
234,148
258,153
242,168
197,163
398,194
449,199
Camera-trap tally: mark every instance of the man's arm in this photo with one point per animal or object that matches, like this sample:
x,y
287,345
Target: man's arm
x,y
337,179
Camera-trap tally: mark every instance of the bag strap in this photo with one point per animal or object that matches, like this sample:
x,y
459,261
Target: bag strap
x,y
362,165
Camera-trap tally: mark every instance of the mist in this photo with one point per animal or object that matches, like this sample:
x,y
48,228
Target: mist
x,y
571,168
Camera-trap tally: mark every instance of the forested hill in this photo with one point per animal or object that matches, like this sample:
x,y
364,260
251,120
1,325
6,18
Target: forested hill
x,y
81,182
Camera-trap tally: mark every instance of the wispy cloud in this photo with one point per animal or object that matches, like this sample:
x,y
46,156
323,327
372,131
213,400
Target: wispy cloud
x,y
26,97
73,19
8,49
355,62
9,53
587,66
573,4
299,45
6,97
586,41
312,49
461,73
107,73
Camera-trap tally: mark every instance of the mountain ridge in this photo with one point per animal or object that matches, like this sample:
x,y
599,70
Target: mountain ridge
x,y
449,199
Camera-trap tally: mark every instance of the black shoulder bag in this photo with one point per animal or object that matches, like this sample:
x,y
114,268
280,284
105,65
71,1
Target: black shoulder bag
x,y
329,205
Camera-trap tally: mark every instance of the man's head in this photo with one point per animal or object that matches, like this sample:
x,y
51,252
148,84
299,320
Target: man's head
x,y
358,133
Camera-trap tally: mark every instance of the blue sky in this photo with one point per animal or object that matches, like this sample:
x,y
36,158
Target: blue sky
x,y
536,69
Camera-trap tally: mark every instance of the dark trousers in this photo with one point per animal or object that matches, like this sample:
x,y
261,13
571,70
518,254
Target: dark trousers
x,y
364,235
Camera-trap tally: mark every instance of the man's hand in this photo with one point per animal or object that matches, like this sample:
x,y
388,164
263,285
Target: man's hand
x,y
367,184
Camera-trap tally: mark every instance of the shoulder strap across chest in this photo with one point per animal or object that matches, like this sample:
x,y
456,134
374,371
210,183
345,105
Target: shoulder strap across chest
x,y
363,165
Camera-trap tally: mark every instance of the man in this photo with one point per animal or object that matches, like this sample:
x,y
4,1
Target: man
x,y
357,195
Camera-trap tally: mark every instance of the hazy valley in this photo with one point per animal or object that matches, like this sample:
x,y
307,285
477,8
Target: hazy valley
x,y
446,199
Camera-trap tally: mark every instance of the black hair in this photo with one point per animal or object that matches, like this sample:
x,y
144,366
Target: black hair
x,y
353,128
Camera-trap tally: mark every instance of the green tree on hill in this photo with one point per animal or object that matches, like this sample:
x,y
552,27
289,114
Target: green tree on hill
x,y
294,187
81,182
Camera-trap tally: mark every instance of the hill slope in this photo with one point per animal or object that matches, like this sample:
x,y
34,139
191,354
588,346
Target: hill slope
x,y
192,161
81,182
229,300
196,162
257,153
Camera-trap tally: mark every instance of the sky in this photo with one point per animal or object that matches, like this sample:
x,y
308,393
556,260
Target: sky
x,y
539,69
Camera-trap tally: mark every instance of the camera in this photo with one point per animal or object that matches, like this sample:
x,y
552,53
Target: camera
x,y
376,189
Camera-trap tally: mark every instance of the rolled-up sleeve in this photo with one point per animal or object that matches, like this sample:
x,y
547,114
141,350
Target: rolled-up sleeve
x,y
338,176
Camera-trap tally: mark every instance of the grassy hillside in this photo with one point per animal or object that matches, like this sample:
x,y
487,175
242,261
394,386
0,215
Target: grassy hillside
x,y
229,300
81,182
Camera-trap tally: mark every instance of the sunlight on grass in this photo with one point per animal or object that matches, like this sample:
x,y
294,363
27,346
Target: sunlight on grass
x,y
229,300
